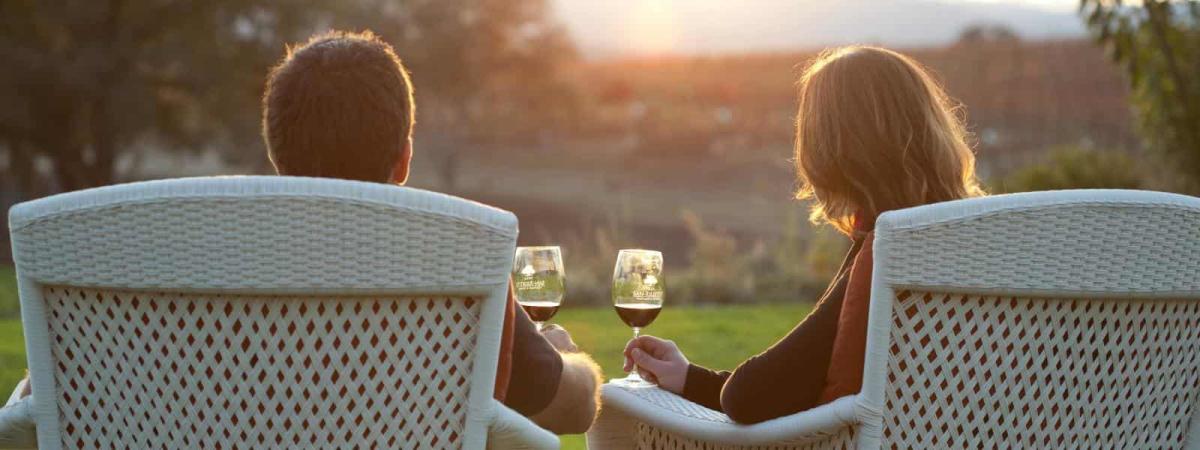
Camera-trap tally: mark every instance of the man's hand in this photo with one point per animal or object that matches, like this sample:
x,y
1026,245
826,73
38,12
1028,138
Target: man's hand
x,y
659,361
577,399
559,338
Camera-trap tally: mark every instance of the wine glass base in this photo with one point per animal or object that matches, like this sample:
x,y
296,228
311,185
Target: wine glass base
x,y
632,383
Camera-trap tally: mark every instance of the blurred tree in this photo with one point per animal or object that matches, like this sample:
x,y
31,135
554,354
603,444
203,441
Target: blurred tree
x,y
1076,168
485,70
87,81
986,33
1157,42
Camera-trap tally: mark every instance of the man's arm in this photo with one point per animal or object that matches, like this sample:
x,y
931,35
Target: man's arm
x,y
577,399
552,383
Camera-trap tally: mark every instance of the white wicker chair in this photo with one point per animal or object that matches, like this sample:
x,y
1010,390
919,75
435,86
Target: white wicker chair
x,y
263,312
1039,320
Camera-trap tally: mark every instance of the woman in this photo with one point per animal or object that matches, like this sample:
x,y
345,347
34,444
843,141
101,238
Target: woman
x,y
874,132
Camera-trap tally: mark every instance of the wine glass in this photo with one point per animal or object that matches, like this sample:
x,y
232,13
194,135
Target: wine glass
x,y
539,281
638,290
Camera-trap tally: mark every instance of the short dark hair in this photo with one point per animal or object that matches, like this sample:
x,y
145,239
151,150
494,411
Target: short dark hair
x,y
339,106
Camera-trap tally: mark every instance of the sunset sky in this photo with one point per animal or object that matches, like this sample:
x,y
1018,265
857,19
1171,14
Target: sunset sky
x,y
606,28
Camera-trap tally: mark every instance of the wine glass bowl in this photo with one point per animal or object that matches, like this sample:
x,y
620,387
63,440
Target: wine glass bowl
x,y
638,316
638,292
539,281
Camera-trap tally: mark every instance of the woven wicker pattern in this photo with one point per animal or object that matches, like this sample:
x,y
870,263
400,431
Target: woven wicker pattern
x,y
265,312
1077,247
970,371
163,370
221,243
678,405
1036,320
651,438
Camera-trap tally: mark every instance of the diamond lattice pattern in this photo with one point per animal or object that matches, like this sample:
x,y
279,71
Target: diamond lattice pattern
x,y
169,370
969,371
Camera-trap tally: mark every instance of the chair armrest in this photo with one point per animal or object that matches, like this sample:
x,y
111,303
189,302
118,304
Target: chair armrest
x,y
510,430
16,393
675,415
17,429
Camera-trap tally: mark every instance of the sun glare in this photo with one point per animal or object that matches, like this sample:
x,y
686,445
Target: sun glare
x,y
651,27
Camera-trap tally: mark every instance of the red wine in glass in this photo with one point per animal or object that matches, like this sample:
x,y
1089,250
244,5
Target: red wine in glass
x,y
637,315
540,312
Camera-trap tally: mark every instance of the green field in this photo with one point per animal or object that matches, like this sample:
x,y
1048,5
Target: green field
x,y
719,337
12,342
9,305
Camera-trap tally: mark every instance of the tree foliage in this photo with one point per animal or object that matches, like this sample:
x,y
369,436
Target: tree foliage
x,y
485,71
86,82
986,33
1157,43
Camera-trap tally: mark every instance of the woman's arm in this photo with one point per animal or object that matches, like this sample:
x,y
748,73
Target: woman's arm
x,y
788,377
791,376
704,385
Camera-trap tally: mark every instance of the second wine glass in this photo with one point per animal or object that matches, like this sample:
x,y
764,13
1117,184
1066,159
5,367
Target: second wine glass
x,y
539,281
638,291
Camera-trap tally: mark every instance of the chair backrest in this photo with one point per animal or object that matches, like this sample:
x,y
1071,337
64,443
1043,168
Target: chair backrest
x,y
1039,320
261,312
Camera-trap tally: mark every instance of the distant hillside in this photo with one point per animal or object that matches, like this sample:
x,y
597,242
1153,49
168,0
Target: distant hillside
x,y
658,137
1019,97
606,29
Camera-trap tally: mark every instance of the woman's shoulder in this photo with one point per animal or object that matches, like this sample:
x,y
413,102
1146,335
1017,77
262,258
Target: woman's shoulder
x,y
849,346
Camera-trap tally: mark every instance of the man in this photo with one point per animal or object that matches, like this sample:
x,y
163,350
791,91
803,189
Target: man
x,y
341,106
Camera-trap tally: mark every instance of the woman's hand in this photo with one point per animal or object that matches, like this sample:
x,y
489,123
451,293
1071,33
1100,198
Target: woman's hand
x,y
657,360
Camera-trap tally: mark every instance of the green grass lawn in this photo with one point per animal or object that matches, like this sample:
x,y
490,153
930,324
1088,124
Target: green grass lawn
x,y
9,305
12,356
718,337
12,342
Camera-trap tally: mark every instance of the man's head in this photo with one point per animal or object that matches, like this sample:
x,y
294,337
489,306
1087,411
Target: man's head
x,y
340,106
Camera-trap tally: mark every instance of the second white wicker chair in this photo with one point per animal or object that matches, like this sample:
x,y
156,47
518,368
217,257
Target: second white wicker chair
x,y
264,312
1039,320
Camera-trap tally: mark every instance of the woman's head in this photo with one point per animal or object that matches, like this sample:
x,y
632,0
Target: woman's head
x,y
875,132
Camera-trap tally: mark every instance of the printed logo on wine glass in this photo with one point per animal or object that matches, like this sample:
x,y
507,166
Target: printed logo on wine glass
x,y
527,281
649,290
648,294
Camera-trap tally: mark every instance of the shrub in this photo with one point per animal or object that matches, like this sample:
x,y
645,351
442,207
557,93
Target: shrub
x,y
1076,168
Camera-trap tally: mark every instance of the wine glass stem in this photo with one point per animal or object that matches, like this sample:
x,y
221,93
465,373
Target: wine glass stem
x,y
539,325
633,374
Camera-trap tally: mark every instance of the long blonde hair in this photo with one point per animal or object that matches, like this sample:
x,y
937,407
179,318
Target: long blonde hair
x,y
875,132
